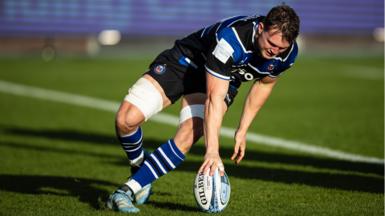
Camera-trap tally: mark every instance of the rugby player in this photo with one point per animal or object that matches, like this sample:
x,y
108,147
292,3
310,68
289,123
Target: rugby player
x,y
204,70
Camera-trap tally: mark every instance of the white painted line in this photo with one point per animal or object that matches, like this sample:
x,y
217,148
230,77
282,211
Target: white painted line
x,y
95,103
361,72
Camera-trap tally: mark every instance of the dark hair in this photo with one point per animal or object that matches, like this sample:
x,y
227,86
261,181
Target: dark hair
x,y
285,19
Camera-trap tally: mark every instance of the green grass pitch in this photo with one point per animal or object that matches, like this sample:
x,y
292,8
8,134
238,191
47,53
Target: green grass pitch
x,y
62,159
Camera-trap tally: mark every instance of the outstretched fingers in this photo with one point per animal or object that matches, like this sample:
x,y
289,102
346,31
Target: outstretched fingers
x,y
205,167
210,165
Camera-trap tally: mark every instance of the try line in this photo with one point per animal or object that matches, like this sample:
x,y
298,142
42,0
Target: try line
x,y
112,106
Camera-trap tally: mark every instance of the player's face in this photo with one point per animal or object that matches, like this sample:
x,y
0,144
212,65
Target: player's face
x,y
271,43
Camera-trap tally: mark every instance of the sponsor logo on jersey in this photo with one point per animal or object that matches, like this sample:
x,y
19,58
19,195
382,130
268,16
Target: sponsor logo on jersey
x,y
160,69
244,60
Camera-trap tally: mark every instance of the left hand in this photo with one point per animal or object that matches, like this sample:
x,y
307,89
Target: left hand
x,y
239,147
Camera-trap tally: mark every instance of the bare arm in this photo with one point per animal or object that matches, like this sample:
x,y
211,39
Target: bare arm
x,y
215,108
256,98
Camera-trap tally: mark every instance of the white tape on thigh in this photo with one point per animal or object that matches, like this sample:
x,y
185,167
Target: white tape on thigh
x,y
145,97
196,110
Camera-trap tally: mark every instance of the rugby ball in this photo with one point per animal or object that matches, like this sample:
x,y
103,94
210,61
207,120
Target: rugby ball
x,y
212,193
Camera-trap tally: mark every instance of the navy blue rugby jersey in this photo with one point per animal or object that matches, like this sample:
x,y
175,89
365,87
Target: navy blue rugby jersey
x,y
227,50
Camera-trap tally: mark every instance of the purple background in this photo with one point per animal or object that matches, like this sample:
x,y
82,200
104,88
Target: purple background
x,y
177,17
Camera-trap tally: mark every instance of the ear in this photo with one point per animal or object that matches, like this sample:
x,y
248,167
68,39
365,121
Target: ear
x,y
260,27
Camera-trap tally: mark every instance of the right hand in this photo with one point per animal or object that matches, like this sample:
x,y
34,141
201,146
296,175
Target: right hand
x,y
211,162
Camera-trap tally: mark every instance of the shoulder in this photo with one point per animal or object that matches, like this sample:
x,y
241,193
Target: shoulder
x,y
238,25
239,35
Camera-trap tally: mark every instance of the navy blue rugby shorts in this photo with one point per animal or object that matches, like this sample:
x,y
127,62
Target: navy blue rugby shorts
x,y
179,76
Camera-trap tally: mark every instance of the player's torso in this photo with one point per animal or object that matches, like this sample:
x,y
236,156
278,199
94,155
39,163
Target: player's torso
x,y
240,33
254,67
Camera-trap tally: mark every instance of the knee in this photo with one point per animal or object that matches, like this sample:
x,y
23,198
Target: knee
x,y
127,121
188,133
125,126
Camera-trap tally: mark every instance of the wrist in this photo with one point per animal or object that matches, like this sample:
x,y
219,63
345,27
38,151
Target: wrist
x,y
241,132
212,150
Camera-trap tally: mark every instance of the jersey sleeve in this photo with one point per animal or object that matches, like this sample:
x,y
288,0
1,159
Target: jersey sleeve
x,y
223,54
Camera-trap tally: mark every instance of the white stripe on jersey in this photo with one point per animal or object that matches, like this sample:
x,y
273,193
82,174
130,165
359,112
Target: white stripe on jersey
x,y
203,32
255,26
217,74
240,42
256,69
279,58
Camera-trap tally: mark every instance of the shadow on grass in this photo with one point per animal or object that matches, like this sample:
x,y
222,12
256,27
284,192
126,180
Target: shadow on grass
x,y
325,179
100,139
350,182
66,135
85,189
173,206
328,179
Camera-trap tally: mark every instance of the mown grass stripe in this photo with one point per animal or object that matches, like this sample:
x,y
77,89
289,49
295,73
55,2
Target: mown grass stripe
x,y
164,118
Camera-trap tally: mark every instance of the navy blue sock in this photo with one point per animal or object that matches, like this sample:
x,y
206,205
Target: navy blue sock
x,y
132,145
163,160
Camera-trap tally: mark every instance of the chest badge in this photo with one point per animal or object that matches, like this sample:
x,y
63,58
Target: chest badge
x,y
270,67
160,69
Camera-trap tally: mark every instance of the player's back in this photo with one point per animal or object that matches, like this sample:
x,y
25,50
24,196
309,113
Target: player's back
x,y
197,45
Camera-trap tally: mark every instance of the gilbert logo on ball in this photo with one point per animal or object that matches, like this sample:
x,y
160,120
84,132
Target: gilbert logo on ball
x,y
212,193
